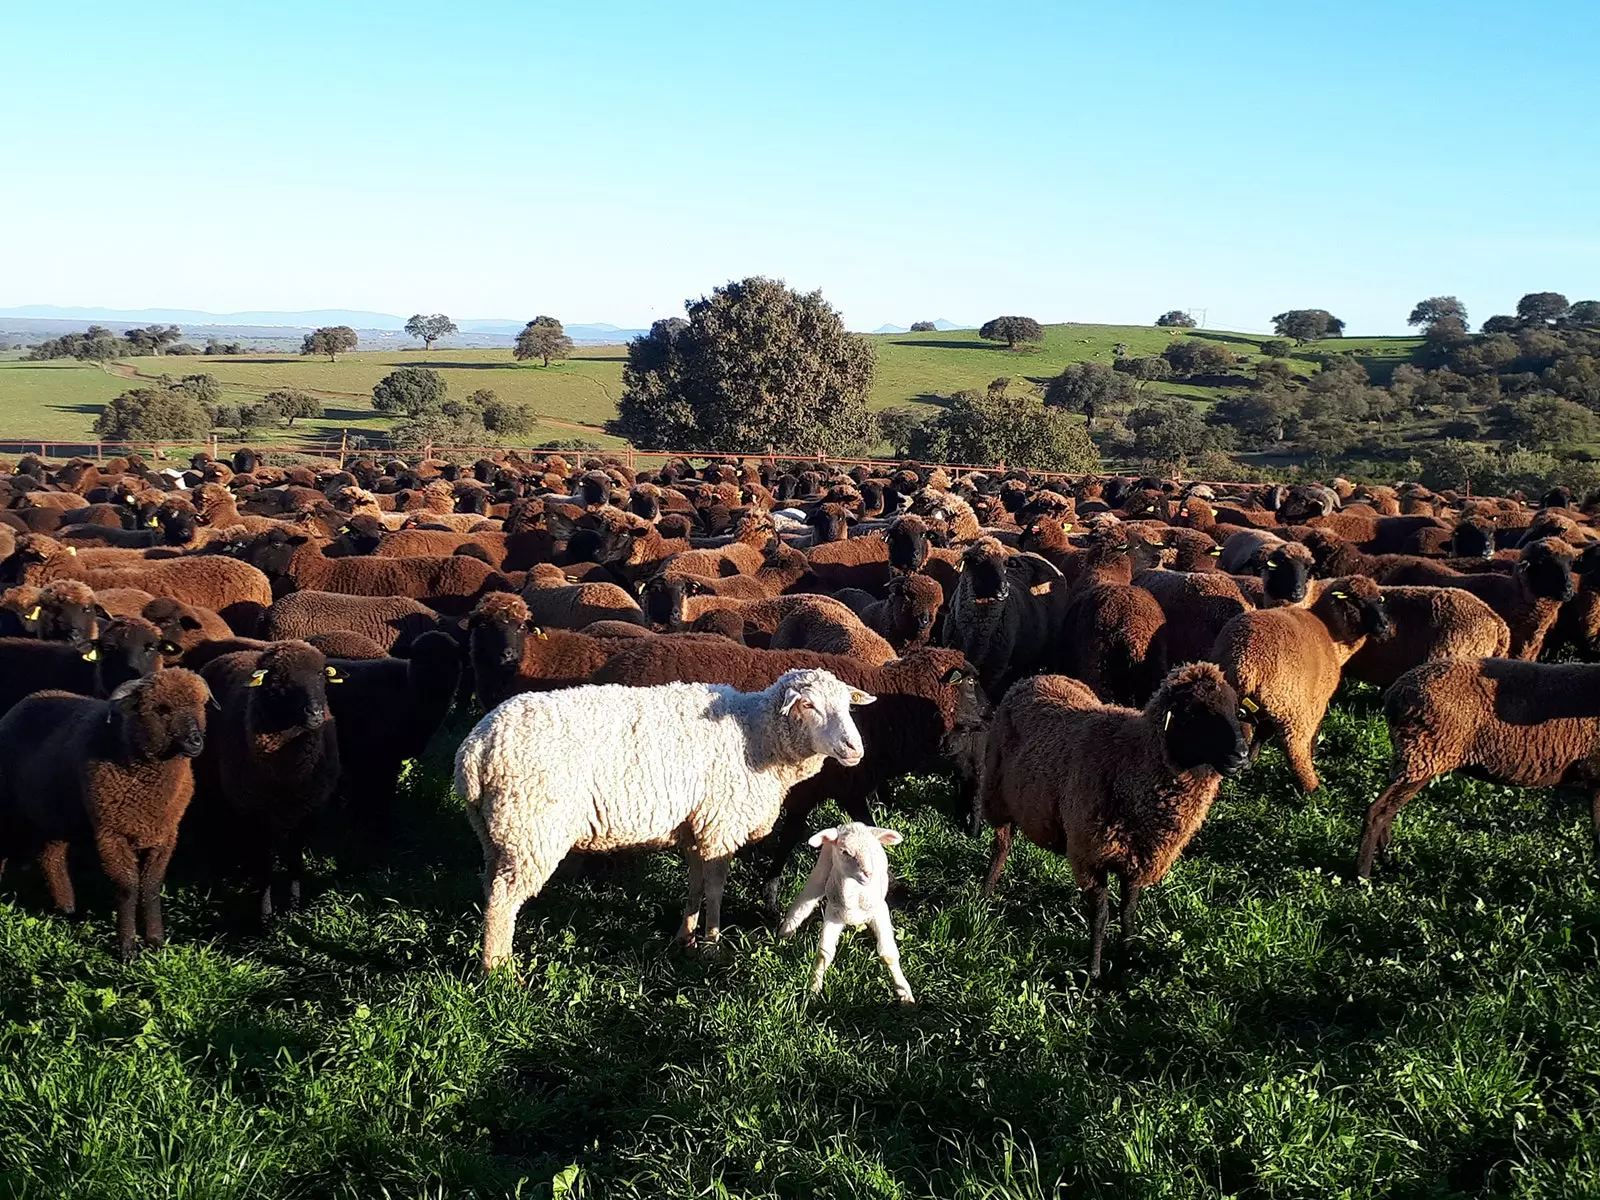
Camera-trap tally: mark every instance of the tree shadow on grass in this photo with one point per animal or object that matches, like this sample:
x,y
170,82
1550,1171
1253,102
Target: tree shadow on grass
x,y
92,410
1231,338
931,345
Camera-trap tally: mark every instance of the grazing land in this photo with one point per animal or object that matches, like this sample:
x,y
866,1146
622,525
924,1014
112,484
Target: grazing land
x,y
1273,1030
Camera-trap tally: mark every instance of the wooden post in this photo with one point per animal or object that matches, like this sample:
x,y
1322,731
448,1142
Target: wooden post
x,y
344,442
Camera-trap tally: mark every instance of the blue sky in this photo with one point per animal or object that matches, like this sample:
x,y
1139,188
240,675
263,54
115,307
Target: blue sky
x,y
604,162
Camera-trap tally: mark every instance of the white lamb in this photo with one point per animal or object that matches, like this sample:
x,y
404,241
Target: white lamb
x,y
698,766
852,879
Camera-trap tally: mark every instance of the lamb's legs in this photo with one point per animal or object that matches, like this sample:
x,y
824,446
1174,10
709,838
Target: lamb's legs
x,y
827,947
1096,904
151,877
1297,740
716,879
1130,902
889,951
806,902
696,898
121,864
998,853
1380,819
53,863
511,886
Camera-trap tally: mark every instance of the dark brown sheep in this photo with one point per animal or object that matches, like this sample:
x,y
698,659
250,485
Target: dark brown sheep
x,y
511,653
393,622
1430,624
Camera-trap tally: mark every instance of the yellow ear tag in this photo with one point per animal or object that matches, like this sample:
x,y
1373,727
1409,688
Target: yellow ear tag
x,y
1215,552
543,636
255,678
334,676
1341,595
34,615
91,654
1272,566
1250,705
1066,526
72,550
152,522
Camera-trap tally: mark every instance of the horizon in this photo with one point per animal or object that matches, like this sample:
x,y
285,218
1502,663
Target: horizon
x,y
1077,166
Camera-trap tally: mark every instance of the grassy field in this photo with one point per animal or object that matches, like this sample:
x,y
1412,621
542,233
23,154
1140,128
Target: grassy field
x,y
575,398
1273,1030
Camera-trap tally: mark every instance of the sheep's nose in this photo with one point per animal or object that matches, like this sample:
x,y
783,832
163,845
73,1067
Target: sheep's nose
x,y
1237,761
315,718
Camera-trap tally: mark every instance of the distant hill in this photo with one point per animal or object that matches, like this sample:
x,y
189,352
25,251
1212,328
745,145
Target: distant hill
x,y
941,325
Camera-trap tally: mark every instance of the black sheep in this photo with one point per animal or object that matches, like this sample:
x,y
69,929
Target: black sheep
x,y
127,648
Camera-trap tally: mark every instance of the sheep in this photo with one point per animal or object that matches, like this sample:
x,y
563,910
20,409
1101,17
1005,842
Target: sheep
x,y
183,626
511,653
1006,614
116,772
385,712
124,602
930,711
1119,791
555,604
1285,662
839,632
271,762
126,648
1429,624
676,603
906,616
393,622
1113,635
703,768
1520,723
851,880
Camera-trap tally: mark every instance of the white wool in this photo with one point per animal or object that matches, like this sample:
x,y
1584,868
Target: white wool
x,y
697,766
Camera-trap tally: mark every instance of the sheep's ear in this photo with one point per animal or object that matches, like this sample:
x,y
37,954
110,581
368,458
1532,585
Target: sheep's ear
x,y
124,690
826,835
791,698
255,678
100,613
859,698
888,837
954,675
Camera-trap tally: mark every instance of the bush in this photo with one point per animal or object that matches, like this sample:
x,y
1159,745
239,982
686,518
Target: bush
x,y
1192,356
924,327
1012,428
1175,318
1012,330
1089,388
161,413
1277,347
292,405
411,391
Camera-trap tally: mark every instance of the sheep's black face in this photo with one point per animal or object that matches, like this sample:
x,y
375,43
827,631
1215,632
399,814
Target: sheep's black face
x,y
474,501
178,526
1375,621
126,651
986,577
908,547
830,526
1557,498
498,639
663,602
1548,572
1286,578
645,505
1472,539
75,624
293,691
592,492
1201,727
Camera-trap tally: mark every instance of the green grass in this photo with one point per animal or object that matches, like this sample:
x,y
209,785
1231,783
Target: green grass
x,y
1273,1030
575,398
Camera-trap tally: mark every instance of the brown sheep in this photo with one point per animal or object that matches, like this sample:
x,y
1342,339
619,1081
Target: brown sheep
x,y
1118,791
116,772
555,604
393,622
1285,663
1524,724
183,626
1113,635
906,616
839,632
1430,624
510,653
1196,607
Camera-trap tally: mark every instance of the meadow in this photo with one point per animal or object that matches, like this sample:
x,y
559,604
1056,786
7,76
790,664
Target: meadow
x,y
575,398
1274,1029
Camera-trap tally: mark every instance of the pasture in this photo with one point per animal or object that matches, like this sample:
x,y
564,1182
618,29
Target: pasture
x,y
1273,1030
575,398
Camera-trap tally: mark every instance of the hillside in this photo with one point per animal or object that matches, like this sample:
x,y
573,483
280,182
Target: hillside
x,y
59,400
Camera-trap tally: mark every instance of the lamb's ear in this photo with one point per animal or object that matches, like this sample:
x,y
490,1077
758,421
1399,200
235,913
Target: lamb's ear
x,y
859,698
826,835
124,690
1033,569
888,837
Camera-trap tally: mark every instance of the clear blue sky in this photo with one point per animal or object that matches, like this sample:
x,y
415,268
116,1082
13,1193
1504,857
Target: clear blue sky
x,y
605,161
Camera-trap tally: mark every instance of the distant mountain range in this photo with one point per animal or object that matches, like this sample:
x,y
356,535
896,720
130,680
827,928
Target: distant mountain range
x,y
941,325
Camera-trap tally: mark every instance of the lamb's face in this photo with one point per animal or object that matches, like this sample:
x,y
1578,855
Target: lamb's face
x,y
1286,576
1200,717
1547,567
857,861
499,636
817,704
292,679
1473,538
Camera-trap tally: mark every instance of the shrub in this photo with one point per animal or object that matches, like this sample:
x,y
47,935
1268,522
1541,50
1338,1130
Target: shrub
x,y
1012,331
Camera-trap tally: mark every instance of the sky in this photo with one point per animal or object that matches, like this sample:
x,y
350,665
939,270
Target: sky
x,y
606,162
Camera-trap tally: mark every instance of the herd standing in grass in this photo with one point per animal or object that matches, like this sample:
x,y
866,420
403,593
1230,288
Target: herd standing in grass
x,y
229,658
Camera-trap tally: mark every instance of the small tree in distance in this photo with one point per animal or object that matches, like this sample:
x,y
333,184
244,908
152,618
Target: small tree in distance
x,y
154,338
1175,318
543,338
409,391
1542,308
1438,308
430,329
293,404
158,413
1307,324
1012,330
331,340
924,327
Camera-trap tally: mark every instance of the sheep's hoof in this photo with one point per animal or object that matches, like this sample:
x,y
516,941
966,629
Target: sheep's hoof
x,y
907,1000
127,951
769,894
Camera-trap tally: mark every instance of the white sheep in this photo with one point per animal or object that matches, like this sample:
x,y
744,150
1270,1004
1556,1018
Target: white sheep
x,y
852,879
701,767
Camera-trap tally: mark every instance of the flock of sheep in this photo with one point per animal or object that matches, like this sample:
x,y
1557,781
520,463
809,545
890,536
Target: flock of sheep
x,y
699,657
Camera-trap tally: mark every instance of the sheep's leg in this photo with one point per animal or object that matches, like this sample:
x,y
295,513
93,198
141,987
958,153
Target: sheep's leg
x,y
785,836
121,864
889,952
1297,740
998,853
512,884
53,862
1130,902
695,900
715,873
806,902
151,877
827,947
1380,820
1095,902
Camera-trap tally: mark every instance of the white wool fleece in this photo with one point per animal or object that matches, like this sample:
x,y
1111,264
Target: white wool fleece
x,y
697,766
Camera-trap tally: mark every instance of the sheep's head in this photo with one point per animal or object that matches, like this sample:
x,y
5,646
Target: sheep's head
x,y
499,629
163,715
983,572
1546,569
272,553
1048,530
664,597
832,522
645,501
67,612
1353,608
857,854
179,521
911,605
1201,720
908,543
362,534
180,627
815,708
1286,573
127,648
288,690
1473,538
33,551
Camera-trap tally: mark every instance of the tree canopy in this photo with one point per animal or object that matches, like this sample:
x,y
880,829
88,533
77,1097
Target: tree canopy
x,y
1175,318
1307,324
94,344
923,327
1012,330
542,338
755,364
985,428
159,413
292,404
153,339
430,329
331,340
1542,308
1089,388
409,391
1438,308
